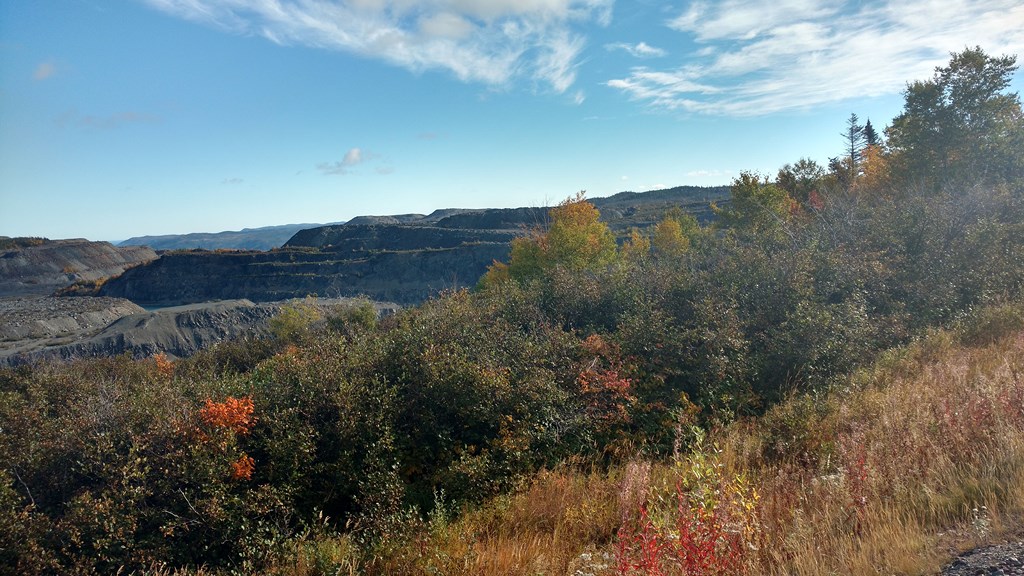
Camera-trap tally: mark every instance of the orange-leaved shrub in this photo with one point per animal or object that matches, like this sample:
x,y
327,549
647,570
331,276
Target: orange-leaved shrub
x,y
234,414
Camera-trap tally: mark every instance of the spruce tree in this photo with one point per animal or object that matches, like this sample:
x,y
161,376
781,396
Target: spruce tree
x,y
870,136
854,136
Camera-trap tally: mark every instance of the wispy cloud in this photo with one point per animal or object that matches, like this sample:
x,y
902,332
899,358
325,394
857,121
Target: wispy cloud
x,y
709,173
44,71
759,58
640,50
353,157
72,118
232,181
488,41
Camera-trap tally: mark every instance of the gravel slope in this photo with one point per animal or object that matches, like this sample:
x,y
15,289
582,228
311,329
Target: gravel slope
x,y
999,560
43,329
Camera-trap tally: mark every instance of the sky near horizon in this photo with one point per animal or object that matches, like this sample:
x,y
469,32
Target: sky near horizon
x,y
123,118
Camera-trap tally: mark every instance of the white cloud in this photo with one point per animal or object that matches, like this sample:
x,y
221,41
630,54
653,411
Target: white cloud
x,y
353,157
446,25
44,71
709,173
641,50
746,19
759,58
556,63
488,41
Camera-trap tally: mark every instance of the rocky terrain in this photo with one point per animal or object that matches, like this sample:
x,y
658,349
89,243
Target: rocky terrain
x,y
403,258
208,296
44,266
1005,559
64,328
405,277
28,318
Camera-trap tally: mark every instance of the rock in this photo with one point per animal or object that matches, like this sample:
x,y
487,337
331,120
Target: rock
x,y
53,264
1002,559
404,277
178,331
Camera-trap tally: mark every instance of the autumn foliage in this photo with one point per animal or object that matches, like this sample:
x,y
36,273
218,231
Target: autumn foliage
x,y
711,398
243,468
234,414
164,365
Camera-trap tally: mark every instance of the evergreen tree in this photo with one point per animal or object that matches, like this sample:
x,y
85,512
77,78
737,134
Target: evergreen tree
x,y
870,136
855,138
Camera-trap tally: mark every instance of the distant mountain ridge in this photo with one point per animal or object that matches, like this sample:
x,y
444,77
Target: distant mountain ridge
x,y
694,199
403,259
263,238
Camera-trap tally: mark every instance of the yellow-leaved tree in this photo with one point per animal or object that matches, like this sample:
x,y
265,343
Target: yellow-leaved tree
x,y
576,240
674,234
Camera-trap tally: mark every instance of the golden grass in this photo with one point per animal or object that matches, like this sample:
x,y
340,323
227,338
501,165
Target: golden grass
x,y
915,458
930,456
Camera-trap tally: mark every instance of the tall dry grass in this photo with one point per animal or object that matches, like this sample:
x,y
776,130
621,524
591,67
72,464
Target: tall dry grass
x,y
926,454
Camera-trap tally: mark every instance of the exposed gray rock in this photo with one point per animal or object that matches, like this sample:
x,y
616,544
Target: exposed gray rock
x,y
43,269
177,331
1003,559
28,318
405,277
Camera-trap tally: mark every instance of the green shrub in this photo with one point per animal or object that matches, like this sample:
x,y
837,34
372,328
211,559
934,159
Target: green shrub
x,y
296,320
991,324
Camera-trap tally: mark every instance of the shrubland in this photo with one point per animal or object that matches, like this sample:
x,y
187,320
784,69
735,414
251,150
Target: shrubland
x,y
824,380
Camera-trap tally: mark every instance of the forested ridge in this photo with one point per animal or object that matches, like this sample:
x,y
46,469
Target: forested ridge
x,y
832,364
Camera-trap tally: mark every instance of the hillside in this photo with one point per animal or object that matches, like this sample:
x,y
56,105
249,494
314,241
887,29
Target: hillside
x,y
47,329
129,329
40,268
695,199
404,259
263,238
404,277
32,318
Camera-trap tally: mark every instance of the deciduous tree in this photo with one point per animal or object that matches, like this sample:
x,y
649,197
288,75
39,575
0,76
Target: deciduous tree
x,y
576,240
961,127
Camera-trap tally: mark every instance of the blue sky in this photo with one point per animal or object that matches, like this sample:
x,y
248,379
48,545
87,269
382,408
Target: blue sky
x,y
128,117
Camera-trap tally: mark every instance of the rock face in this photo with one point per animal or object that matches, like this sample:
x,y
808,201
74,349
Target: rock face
x,y
404,277
53,264
405,258
44,329
368,238
180,331
54,318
